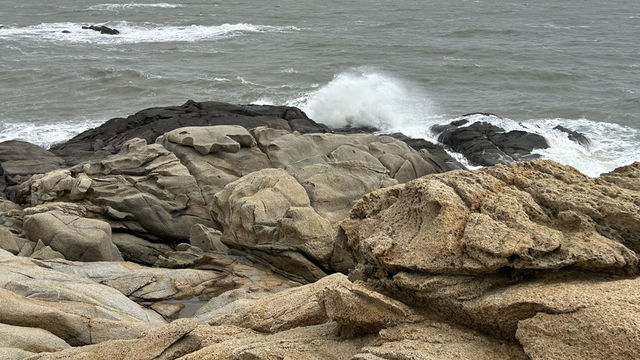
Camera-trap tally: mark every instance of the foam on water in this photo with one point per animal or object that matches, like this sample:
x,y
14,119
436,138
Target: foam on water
x,y
375,99
135,33
45,135
116,7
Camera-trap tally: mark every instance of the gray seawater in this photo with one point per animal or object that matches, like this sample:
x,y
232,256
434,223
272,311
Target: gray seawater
x,y
398,65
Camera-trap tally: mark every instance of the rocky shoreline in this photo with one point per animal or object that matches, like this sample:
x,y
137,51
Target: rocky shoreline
x,y
218,231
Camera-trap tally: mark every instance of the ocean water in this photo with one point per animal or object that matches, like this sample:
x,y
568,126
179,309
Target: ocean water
x,y
399,65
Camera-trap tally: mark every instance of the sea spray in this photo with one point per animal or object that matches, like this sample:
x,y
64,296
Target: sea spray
x,y
366,98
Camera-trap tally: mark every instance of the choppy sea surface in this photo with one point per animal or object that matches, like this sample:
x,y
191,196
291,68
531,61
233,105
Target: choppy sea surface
x,y
399,65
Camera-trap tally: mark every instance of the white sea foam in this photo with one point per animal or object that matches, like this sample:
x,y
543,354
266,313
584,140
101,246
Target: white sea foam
x,y
369,98
135,33
45,135
264,101
116,7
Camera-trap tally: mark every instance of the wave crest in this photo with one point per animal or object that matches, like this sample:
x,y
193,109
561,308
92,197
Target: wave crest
x,y
366,98
130,34
116,7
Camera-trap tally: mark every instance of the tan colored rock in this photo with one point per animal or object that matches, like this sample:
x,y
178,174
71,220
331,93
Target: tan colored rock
x,y
139,250
502,217
168,310
358,309
76,238
46,253
250,210
433,340
532,251
608,331
319,342
334,187
76,323
8,242
30,339
151,345
15,354
212,139
215,170
305,230
564,315
207,239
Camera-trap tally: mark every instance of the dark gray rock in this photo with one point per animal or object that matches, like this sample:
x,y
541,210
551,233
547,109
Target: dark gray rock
x,y
150,123
102,29
574,135
485,144
19,160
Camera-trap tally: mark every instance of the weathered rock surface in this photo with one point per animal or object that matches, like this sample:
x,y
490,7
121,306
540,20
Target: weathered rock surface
x,y
152,345
306,343
432,340
358,309
144,189
529,216
139,250
532,251
30,339
207,239
485,144
74,237
8,242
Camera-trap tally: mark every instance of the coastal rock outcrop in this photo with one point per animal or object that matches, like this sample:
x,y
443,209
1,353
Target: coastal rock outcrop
x,y
242,238
511,251
144,189
485,144
150,123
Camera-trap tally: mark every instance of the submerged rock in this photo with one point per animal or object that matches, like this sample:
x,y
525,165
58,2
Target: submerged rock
x,y
102,29
574,135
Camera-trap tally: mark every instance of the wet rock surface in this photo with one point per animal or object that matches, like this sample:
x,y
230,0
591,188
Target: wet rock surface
x,y
102,29
485,144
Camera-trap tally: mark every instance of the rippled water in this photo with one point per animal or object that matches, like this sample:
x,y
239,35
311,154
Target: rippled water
x,y
399,65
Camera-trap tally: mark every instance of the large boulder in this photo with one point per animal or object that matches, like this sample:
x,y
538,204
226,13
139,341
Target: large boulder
x,y
250,210
75,237
511,251
530,216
